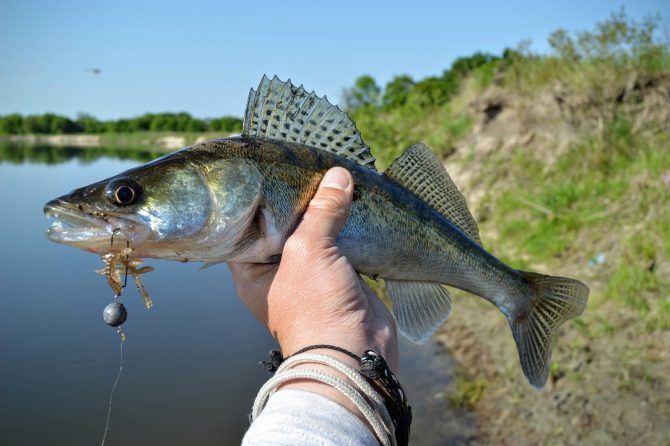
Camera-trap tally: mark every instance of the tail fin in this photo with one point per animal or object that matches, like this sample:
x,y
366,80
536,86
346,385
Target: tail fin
x,y
557,299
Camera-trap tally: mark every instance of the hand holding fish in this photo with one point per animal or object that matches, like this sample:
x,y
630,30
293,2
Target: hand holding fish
x,y
240,199
314,296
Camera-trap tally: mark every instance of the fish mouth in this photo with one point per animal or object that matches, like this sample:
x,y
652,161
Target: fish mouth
x,y
74,226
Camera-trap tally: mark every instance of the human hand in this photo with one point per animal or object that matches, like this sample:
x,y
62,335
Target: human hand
x,y
314,296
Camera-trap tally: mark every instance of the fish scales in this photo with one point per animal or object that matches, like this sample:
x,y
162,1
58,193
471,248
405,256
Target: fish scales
x,y
383,223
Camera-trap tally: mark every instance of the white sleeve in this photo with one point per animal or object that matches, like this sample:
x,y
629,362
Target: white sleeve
x,y
297,417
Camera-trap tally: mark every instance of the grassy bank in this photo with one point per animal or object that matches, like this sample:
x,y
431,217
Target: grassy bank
x,y
165,140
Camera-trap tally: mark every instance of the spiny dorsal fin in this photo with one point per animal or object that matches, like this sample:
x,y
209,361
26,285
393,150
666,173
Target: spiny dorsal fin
x,y
421,172
279,110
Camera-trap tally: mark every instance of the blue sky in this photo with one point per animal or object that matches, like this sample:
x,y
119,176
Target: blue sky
x,y
203,56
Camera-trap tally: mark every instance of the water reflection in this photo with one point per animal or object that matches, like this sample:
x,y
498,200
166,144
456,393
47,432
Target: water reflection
x,y
22,152
191,362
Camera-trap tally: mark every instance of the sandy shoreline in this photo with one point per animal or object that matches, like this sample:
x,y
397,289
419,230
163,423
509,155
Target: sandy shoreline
x,y
161,141
77,140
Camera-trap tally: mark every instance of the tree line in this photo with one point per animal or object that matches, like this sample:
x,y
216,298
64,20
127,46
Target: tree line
x,y
619,45
51,123
403,90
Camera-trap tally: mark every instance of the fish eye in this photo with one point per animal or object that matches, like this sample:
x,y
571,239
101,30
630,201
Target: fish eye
x,y
123,192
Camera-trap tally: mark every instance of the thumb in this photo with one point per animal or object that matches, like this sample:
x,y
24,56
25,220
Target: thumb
x,y
328,211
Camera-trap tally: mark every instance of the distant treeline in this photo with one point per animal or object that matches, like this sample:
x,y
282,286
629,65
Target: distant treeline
x,y
434,90
50,123
587,63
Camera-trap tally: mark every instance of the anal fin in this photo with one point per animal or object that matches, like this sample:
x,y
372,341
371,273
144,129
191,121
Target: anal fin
x,y
419,307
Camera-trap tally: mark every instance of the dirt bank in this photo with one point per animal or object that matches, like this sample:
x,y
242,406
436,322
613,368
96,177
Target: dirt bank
x,y
614,390
610,378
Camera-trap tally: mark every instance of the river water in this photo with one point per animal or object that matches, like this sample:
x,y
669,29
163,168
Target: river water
x,y
190,363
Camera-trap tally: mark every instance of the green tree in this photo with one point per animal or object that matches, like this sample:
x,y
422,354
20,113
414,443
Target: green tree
x,y
163,122
397,91
433,91
121,126
11,124
181,122
141,123
364,93
36,124
606,65
195,125
89,124
462,66
225,124
61,124
618,39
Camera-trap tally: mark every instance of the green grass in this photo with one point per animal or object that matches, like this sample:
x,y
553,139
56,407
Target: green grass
x,y
628,283
605,191
485,74
458,126
390,133
468,392
144,140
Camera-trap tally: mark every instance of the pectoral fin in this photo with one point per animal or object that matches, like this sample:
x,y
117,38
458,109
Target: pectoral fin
x,y
419,307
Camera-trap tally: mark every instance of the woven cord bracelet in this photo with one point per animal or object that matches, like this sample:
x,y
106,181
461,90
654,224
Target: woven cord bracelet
x,y
372,408
375,370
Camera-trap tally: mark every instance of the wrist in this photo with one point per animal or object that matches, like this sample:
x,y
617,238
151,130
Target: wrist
x,y
356,341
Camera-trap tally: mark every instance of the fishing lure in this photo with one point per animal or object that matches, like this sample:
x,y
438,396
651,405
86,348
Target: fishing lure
x,y
119,262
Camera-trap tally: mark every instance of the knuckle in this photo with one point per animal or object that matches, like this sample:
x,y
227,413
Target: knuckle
x,y
296,245
330,203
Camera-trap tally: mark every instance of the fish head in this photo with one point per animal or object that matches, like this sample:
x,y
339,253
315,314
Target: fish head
x,y
189,205
147,208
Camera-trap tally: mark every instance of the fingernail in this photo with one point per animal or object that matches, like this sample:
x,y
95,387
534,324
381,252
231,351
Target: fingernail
x,y
336,178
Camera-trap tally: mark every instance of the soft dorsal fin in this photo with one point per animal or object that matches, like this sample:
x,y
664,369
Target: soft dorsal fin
x,y
421,172
281,111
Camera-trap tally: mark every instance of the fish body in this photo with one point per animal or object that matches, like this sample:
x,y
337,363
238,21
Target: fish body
x,y
239,199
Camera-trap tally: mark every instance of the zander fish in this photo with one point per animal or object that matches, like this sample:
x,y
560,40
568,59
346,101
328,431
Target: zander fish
x,y
239,198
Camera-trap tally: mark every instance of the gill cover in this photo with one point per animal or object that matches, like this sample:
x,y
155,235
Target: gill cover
x,y
175,202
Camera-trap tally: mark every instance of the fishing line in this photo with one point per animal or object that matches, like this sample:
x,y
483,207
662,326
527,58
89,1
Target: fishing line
x,y
122,335
115,314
